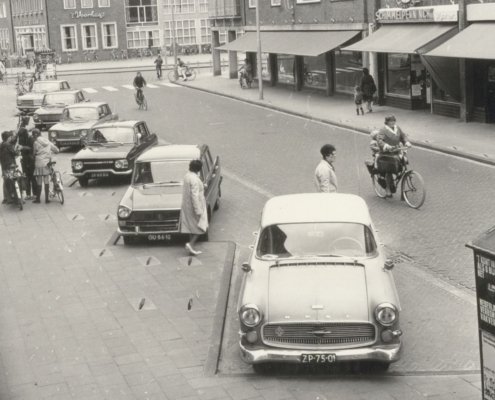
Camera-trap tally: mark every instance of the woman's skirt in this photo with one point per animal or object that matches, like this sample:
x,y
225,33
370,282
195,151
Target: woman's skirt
x,y
41,171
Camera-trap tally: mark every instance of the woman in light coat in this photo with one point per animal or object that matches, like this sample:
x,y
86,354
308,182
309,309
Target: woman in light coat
x,y
193,215
42,151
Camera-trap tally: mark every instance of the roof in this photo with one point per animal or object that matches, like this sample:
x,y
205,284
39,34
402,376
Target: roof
x,y
65,91
315,207
88,104
171,152
114,124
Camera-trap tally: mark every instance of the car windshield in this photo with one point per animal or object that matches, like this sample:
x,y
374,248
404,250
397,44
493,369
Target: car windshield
x,y
328,239
54,99
160,172
41,86
88,113
112,134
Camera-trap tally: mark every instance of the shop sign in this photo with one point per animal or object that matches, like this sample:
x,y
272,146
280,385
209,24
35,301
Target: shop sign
x,y
91,14
418,14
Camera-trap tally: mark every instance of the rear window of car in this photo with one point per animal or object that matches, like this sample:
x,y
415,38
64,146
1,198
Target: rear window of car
x,y
328,239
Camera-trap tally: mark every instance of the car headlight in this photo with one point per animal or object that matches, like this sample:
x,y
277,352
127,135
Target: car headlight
x,y
53,134
122,164
123,212
36,117
77,165
250,315
386,314
84,133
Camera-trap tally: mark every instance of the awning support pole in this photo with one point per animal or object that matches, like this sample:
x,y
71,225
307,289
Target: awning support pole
x,y
258,45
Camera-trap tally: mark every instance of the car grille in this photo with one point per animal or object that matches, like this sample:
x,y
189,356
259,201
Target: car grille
x,y
50,117
27,103
335,333
100,164
153,221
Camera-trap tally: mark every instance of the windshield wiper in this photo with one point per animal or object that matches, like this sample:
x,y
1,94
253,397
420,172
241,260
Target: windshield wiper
x,y
330,255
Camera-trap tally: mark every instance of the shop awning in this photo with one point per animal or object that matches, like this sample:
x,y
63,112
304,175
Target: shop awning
x,y
472,42
310,44
404,38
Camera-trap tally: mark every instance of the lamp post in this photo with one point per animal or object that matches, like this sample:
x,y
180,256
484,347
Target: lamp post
x,y
174,47
258,56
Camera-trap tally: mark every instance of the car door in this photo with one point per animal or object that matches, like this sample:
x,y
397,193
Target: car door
x,y
211,178
141,141
80,97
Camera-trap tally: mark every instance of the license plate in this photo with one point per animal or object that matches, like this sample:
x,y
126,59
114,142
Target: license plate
x,y
159,237
318,358
99,174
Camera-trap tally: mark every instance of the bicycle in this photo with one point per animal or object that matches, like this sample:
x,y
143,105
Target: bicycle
x,y
56,184
15,178
141,99
411,182
173,75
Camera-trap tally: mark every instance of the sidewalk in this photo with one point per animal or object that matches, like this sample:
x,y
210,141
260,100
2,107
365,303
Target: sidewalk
x,y
472,140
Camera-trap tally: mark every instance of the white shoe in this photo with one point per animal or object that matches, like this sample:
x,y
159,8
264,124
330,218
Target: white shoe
x,y
191,250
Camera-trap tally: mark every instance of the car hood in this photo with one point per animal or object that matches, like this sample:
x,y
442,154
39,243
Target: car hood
x,y
318,292
104,152
31,96
49,110
69,126
156,197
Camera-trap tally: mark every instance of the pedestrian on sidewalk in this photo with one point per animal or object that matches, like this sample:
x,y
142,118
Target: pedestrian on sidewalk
x,y
25,143
42,150
325,178
158,64
358,99
368,88
193,214
7,161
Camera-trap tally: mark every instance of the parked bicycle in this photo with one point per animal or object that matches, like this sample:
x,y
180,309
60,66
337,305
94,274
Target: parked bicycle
x,y
15,179
174,75
56,185
411,183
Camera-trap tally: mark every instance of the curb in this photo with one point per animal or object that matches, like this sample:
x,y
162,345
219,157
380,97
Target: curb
x,y
424,145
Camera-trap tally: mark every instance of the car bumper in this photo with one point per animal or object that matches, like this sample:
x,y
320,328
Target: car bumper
x,y
28,109
146,233
384,353
67,142
101,173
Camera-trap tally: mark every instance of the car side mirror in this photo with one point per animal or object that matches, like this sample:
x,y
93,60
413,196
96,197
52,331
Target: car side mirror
x,y
246,267
138,138
389,264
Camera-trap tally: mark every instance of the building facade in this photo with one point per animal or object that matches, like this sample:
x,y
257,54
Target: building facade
x,y
30,26
143,25
6,34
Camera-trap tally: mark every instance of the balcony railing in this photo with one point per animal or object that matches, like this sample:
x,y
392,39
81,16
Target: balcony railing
x,y
224,8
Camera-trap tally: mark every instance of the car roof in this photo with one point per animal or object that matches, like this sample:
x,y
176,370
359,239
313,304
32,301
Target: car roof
x,y
115,124
87,104
64,91
171,152
315,207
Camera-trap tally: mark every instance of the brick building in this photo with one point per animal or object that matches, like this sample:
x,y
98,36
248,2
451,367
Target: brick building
x,y
142,21
6,42
30,25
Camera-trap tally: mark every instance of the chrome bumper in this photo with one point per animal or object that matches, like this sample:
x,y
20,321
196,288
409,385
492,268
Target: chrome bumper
x,y
104,171
383,353
140,233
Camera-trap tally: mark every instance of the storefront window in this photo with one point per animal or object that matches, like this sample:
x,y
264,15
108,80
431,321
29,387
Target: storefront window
x,y
69,38
109,32
265,67
348,70
315,74
89,37
446,79
399,74
285,65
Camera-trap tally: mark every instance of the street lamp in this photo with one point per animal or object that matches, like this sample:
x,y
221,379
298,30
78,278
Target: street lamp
x,y
174,47
258,56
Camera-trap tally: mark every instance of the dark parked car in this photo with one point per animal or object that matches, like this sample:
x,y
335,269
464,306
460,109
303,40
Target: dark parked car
x,y
53,106
111,149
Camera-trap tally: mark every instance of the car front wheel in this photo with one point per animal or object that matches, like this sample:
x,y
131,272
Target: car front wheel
x,y
83,181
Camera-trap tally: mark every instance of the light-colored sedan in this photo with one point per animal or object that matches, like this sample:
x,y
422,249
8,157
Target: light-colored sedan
x,y
31,101
317,288
52,107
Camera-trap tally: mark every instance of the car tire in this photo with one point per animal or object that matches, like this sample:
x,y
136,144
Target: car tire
x,y
129,240
263,368
374,367
217,205
83,181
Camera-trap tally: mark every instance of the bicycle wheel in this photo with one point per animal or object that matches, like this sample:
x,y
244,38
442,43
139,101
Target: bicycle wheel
x,y
192,75
144,104
379,189
413,189
58,187
18,196
172,76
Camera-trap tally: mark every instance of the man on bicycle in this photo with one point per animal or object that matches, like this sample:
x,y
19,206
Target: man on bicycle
x,y
138,84
182,69
390,156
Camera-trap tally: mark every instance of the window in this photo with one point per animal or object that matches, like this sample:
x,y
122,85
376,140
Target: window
x,y
185,32
109,35
141,11
315,72
69,37
181,6
4,39
88,34
276,3
143,39
307,1
69,4
399,74
203,5
205,32
252,4
285,65
3,10
86,3
103,3
349,70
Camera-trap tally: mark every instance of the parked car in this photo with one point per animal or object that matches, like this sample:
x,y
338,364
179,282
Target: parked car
x,y
317,288
53,105
111,149
77,120
31,101
150,207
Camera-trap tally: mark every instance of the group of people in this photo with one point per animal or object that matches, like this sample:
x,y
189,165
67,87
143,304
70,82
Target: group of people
x,y
36,152
365,92
384,142
181,67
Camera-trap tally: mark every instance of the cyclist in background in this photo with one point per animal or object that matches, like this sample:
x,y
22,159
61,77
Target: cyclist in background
x,y
139,83
182,69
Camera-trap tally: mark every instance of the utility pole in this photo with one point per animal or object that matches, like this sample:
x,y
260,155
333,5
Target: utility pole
x,y
174,47
258,56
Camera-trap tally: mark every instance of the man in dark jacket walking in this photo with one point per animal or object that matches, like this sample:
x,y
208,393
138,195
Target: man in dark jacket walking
x,y
368,88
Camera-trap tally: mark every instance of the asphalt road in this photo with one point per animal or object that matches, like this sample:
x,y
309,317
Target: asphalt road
x,y
265,153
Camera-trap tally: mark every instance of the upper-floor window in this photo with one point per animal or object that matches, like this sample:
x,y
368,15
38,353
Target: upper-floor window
x,y
203,5
180,6
141,11
69,4
103,3
109,35
276,3
86,3
252,4
307,1
3,10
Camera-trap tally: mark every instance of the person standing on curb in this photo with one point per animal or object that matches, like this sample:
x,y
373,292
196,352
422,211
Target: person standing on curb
x,y
7,160
325,178
25,142
42,150
158,64
368,88
193,214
